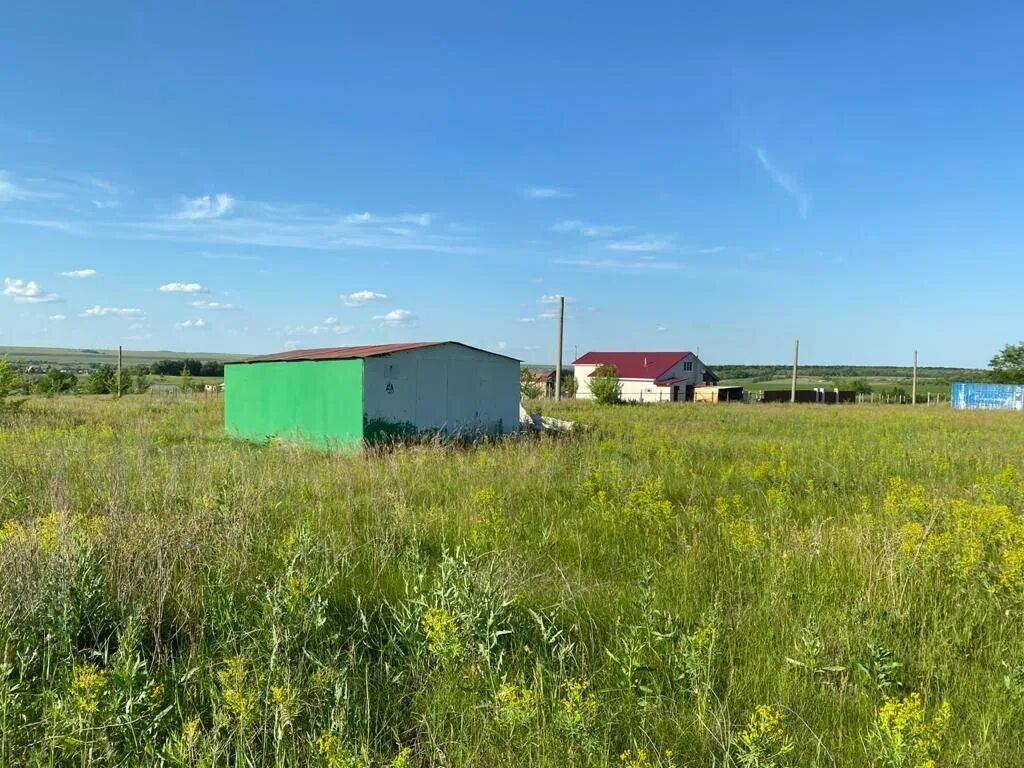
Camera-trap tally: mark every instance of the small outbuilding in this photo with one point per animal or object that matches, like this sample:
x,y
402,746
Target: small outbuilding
x,y
713,393
345,396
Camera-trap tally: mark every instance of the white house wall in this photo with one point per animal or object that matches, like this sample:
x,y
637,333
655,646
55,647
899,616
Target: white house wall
x,y
447,388
582,376
694,377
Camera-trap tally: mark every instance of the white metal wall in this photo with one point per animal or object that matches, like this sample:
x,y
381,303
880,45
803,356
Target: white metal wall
x,y
449,388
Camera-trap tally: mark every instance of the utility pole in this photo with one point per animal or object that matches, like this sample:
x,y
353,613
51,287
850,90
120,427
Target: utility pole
x,y
913,386
558,365
119,352
796,363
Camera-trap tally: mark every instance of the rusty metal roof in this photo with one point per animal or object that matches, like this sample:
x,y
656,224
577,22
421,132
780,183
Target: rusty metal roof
x,y
351,353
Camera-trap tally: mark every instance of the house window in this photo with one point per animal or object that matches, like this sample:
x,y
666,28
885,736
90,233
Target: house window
x,y
688,365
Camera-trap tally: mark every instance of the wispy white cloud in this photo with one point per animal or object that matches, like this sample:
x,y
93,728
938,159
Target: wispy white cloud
x,y
182,288
501,346
200,323
789,183
660,329
67,187
619,265
359,298
397,318
291,226
545,193
328,326
212,305
553,299
61,225
57,318
228,256
81,274
576,226
205,207
12,190
99,311
648,244
419,219
27,292
548,314
206,220
105,205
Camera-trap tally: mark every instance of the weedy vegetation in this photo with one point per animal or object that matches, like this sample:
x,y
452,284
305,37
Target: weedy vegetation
x,y
679,586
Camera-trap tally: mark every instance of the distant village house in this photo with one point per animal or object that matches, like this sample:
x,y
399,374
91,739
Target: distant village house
x,y
647,377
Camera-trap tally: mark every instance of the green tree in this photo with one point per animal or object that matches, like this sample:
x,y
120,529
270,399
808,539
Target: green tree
x,y
138,383
102,381
529,387
185,380
56,382
1008,366
605,385
10,382
860,386
569,386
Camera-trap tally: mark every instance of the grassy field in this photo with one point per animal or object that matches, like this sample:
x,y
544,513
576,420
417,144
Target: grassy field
x,y
679,586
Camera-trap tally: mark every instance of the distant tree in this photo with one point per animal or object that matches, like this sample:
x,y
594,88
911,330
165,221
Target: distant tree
x,y
860,386
605,385
569,386
166,367
173,367
102,381
137,383
56,382
211,368
897,394
185,379
1008,366
529,387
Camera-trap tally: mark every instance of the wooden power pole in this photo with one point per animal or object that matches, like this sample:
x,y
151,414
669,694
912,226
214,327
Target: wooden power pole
x,y
119,370
796,364
913,386
558,364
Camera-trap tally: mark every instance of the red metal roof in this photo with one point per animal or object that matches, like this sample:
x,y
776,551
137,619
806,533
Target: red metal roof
x,y
350,353
634,365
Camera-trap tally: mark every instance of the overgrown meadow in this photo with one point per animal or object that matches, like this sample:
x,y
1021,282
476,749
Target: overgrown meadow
x,y
679,586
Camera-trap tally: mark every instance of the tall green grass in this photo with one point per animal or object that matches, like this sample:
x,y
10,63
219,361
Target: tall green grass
x,y
680,585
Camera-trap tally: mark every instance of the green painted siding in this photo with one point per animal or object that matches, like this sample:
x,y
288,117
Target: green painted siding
x,y
316,402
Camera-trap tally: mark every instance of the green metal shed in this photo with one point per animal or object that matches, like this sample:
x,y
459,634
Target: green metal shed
x,y
345,396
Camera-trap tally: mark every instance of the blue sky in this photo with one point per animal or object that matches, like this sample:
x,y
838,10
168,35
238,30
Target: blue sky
x,y
219,177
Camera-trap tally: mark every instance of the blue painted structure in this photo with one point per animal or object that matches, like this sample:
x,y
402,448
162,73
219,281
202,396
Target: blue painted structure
x,y
1004,397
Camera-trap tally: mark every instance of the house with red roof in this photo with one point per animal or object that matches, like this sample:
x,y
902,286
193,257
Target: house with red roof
x,y
646,377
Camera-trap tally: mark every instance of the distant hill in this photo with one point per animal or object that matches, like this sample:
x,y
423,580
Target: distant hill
x,y
74,358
